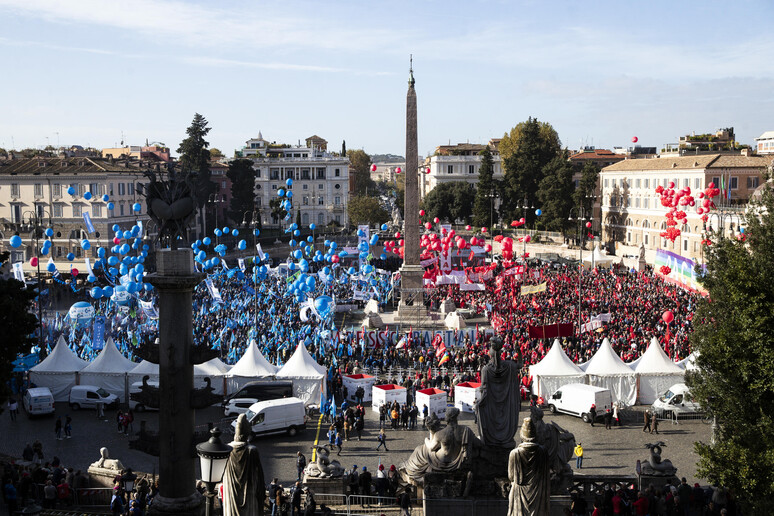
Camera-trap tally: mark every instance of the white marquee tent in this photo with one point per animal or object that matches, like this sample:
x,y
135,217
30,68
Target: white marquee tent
x,y
689,362
109,371
251,367
58,371
597,259
656,373
556,369
213,369
606,369
142,369
307,375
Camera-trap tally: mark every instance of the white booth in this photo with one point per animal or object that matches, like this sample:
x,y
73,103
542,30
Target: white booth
x,y
353,381
466,394
388,393
435,399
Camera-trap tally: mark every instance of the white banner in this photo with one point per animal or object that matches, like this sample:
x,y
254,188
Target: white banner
x,y
18,272
241,262
213,290
149,309
260,252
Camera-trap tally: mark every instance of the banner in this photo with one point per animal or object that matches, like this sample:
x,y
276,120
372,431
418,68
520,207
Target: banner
x,y
518,269
590,326
150,310
361,295
241,262
87,220
260,252
366,231
533,289
98,333
429,262
18,272
213,290
550,331
683,271
472,286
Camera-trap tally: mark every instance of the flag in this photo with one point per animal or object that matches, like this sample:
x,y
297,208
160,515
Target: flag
x,y
401,343
444,359
441,350
438,339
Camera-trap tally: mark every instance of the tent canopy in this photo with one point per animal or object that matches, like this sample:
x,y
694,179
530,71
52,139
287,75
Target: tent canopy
x,y
655,361
252,364
214,367
597,258
144,368
61,360
556,363
301,365
109,361
606,362
454,321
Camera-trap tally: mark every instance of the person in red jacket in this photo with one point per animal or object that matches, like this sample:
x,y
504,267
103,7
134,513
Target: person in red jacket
x,y
641,505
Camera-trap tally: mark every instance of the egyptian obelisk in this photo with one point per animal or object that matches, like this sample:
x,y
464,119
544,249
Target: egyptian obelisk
x,y
411,308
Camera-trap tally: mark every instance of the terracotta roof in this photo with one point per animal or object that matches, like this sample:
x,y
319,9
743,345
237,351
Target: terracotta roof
x,y
32,166
597,154
731,161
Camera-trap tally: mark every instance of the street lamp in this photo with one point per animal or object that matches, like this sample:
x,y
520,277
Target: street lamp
x,y
213,458
525,206
215,199
32,221
492,196
580,217
128,479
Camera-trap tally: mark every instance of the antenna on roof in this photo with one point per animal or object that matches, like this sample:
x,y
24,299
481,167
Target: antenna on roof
x,y
122,138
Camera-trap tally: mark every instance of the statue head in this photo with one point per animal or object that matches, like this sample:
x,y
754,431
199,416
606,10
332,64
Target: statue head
x,y
495,348
452,414
433,423
103,452
243,429
528,432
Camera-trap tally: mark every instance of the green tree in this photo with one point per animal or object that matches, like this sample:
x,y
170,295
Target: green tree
x,y
17,321
450,201
298,218
587,187
215,153
360,167
524,151
555,194
277,211
366,210
242,176
195,158
734,341
483,212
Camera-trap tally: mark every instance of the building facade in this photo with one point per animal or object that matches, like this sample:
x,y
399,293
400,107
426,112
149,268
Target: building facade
x,y
39,186
320,182
632,214
459,162
764,144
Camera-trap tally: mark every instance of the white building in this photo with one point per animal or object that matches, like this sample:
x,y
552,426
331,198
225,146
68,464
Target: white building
x,y
320,180
764,144
459,162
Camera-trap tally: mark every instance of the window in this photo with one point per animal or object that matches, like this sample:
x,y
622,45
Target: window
x,y
77,210
612,201
57,190
647,183
78,252
16,213
305,187
607,181
637,183
96,210
645,239
273,187
257,187
471,169
321,218
258,201
121,189
337,173
111,189
321,200
38,190
94,188
733,183
81,189
290,173
15,190
223,185
41,209
321,173
752,182
59,251
274,174
697,183
685,244
685,182
637,202
130,188
305,174
337,218
121,209
449,169
337,200
337,186
58,211
716,180
695,247
320,186
665,182
306,200
305,219
646,203
258,173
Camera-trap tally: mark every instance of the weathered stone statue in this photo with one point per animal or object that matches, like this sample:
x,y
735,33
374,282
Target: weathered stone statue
x,y
243,483
559,445
105,462
529,473
655,465
498,409
323,467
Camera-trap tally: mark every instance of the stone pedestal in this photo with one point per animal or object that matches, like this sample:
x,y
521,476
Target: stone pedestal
x,y
448,307
175,279
641,265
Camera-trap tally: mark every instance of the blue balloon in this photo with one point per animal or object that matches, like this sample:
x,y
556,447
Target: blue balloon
x,y
148,287
374,239
137,206
111,206
101,252
107,291
49,232
538,212
105,198
741,230
123,269
256,232
226,230
51,267
71,190
85,244
15,241
351,271
127,235
385,227
324,306
218,232
297,254
235,232
334,245
116,228
242,245
289,182
44,250
289,194
201,256
310,239
96,292
280,193
87,196
91,278
297,233
207,241
113,271
124,249
382,256
140,268
312,227
70,257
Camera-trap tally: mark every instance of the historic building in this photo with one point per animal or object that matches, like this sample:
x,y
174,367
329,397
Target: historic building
x,y
459,162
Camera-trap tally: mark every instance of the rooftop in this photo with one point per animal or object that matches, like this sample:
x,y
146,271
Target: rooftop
x,y
38,166
690,163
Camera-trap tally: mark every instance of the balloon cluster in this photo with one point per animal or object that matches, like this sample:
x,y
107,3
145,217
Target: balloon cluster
x,y
665,270
677,200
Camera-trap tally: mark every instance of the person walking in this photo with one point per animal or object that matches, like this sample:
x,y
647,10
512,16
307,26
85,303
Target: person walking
x,y
579,456
295,500
593,414
300,465
359,425
338,443
120,421
382,438
58,428
646,419
331,435
382,415
274,491
654,424
68,428
117,502
13,408
608,419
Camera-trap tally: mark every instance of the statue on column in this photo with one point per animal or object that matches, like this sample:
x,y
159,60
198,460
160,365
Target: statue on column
x,y
243,484
498,408
529,473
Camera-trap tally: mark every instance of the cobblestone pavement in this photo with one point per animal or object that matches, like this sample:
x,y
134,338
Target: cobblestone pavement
x,y
612,451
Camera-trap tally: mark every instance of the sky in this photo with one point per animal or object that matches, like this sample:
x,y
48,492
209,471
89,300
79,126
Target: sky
x,y
91,72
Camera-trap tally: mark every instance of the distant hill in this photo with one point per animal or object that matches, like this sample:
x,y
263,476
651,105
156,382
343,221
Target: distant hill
x,y
386,158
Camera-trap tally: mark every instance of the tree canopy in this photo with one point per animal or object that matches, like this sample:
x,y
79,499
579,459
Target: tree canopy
x,y
242,176
555,194
587,188
450,201
483,212
734,340
195,158
360,168
524,151
366,210
17,322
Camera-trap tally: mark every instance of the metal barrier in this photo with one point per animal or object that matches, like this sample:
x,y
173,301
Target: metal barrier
x,y
366,505
92,497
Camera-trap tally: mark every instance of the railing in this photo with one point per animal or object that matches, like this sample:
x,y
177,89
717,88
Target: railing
x,y
81,497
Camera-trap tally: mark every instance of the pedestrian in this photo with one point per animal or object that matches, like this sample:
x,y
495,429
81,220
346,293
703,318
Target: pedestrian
x,y
58,428
311,504
295,500
300,465
593,414
120,421
359,425
100,408
338,443
646,419
128,420
274,491
608,419
425,413
475,412
354,481
382,438
13,408
404,502
365,482
382,415
68,428
117,502
49,495
616,420
578,456
37,448
654,424
10,495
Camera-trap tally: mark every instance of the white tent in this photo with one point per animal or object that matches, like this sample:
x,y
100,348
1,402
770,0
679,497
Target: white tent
x,y
596,258
606,369
556,369
108,371
656,373
454,321
307,375
142,369
58,371
213,369
251,367
372,307
689,362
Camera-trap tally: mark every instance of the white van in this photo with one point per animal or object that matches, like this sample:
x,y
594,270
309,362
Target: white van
x,y
136,387
87,396
38,401
675,402
273,416
576,399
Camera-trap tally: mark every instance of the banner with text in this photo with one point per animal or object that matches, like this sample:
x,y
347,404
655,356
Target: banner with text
x,y
683,272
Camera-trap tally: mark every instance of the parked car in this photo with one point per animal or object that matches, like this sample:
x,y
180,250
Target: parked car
x,y
576,399
236,406
87,396
274,416
38,401
135,388
675,402
263,391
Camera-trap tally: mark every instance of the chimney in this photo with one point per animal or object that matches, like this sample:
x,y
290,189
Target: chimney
x,y
745,152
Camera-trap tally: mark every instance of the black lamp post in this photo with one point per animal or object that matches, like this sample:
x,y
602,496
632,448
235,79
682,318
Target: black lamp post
x,y
213,458
580,213
128,479
32,221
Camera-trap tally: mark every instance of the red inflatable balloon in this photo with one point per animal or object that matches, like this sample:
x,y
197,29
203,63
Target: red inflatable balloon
x,y
635,139
116,240
668,316
373,168
436,220
421,213
34,261
335,258
467,228
398,170
427,171
588,225
74,272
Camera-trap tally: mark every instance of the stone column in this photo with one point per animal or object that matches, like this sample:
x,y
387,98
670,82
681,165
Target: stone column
x,y
175,279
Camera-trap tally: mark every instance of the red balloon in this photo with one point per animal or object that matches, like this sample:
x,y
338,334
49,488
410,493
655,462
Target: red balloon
x,y
588,225
116,240
488,248
373,167
398,170
527,238
436,220
635,139
74,272
483,230
335,258
467,228
421,213
397,235
34,261
668,316
427,171
428,226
